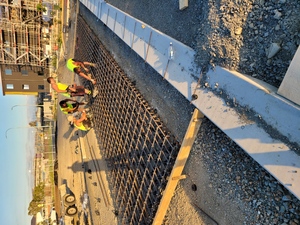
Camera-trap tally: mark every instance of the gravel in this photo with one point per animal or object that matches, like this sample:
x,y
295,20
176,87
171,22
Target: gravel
x,y
237,177
231,187
233,34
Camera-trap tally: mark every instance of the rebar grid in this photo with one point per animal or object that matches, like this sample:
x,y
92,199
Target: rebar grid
x,y
137,146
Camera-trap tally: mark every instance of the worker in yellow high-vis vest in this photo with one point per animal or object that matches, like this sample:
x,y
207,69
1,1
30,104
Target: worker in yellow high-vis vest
x,y
69,106
84,122
70,90
80,68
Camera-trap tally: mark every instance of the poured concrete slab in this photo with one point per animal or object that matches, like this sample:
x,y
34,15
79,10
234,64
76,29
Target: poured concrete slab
x,y
289,87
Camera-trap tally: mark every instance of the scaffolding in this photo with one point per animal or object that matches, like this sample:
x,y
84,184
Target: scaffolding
x,y
21,40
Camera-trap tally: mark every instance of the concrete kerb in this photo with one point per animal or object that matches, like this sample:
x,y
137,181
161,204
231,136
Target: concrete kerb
x,y
256,96
289,87
271,152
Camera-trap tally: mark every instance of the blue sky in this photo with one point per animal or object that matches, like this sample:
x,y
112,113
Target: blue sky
x,y
16,158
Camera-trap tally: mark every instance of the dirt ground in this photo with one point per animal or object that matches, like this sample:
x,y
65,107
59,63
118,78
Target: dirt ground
x,y
223,185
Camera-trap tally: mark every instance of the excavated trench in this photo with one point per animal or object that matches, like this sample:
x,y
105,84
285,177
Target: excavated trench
x,y
139,149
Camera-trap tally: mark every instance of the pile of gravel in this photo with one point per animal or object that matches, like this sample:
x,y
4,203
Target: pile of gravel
x,y
232,34
257,38
235,176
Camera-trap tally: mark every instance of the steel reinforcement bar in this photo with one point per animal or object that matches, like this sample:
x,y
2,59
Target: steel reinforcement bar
x,y
138,148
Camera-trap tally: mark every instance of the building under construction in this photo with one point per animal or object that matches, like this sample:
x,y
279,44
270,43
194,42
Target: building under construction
x,y
24,25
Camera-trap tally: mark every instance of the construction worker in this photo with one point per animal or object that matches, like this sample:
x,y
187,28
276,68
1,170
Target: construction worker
x,y
84,122
79,68
69,90
69,106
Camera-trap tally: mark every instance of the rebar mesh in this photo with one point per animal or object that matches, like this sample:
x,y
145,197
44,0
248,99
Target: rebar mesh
x,y
138,148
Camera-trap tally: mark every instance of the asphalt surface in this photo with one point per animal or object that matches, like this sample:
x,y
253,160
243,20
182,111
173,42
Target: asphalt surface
x,y
80,164
81,167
